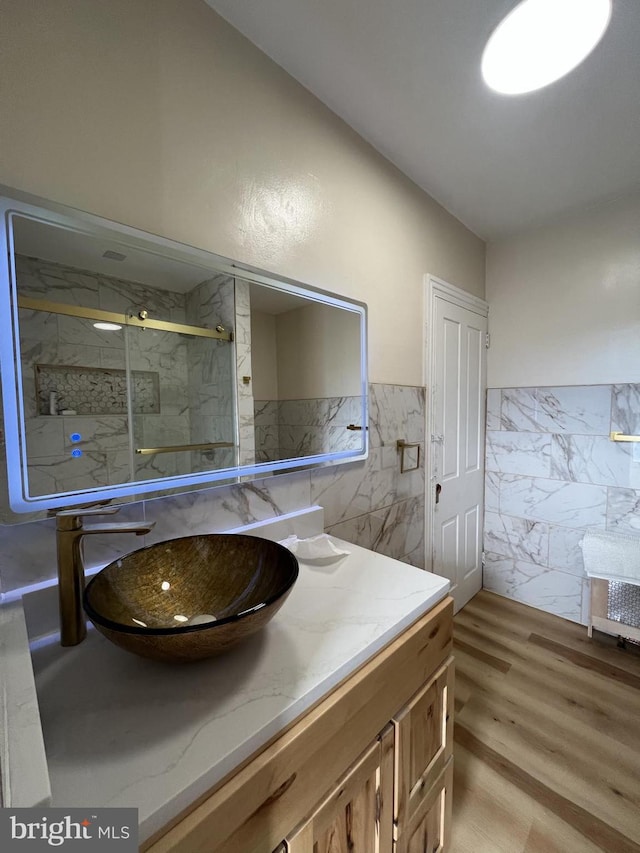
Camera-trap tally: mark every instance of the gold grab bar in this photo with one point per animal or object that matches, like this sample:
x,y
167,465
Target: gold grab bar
x,y
618,436
121,319
177,448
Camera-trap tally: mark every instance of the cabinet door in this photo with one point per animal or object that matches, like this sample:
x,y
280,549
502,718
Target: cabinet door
x,y
357,815
429,829
424,743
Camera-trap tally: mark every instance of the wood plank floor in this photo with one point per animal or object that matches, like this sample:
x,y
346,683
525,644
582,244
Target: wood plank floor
x,y
547,734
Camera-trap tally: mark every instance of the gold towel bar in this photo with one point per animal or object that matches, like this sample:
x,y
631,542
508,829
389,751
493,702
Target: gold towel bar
x,y
618,436
177,448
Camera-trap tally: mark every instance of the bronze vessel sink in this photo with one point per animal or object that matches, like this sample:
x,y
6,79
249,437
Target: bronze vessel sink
x,y
190,598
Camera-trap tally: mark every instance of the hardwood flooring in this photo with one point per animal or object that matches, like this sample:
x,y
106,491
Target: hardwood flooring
x,y
547,734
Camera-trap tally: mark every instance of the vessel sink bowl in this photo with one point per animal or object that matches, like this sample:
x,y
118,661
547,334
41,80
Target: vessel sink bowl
x,y
190,598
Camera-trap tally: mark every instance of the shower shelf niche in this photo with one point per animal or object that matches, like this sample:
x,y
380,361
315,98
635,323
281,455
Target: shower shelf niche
x,y
96,390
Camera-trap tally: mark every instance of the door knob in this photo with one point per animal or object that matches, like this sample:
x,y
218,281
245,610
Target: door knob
x,y
438,490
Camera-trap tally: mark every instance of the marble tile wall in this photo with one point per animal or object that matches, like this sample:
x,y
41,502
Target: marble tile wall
x,y
211,372
369,503
244,371
58,339
190,374
285,429
552,471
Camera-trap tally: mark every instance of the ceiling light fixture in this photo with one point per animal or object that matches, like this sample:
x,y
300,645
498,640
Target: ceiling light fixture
x,y
540,41
107,327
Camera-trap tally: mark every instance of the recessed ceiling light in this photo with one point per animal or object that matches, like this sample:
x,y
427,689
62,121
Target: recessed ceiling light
x,y
542,40
107,327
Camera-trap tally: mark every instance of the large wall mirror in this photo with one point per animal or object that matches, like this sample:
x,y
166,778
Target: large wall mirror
x,y
134,365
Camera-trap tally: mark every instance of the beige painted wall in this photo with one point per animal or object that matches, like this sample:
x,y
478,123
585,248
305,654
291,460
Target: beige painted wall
x,y
157,114
318,353
264,356
565,300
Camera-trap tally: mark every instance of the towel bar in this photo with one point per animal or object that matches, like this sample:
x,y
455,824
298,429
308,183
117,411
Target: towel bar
x,y
618,436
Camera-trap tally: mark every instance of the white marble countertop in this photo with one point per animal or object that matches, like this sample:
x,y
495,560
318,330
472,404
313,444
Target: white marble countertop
x,y
123,731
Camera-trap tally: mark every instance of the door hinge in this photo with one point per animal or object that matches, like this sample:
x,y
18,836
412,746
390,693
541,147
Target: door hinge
x,y
487,340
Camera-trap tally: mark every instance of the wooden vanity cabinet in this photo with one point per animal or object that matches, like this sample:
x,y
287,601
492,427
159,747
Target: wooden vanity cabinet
x,y
357,814
424,765
367,769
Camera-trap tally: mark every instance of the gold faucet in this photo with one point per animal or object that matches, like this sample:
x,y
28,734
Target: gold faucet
x,y
69,534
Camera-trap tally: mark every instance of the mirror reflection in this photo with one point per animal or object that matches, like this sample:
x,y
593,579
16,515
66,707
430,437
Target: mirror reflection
x,y
124,375
137,365
306,376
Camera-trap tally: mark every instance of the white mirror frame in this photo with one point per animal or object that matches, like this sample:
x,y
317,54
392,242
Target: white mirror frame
x,y
14,202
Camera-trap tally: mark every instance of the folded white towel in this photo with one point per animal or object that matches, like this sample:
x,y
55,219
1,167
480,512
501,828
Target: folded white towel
x,y
316,549
612,556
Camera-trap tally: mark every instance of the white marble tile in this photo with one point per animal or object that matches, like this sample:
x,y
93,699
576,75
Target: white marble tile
x,y
396,411
265,412
119,466
37,326
298,441
247,447
519,453
242,312
246,416
322,411
52,351
594,459
494,403
108,432
42,279
212,302
45,436
583,409
244,368
113,357
570,504
174,399
76,330
120,295
267,437
225,507
151,344
165,430
547,589
625,409
28,553
354,489
396,531
55,474
519,538
565,552
492,491
623,510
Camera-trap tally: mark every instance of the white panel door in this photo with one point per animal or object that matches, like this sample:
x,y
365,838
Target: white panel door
x,y
457,442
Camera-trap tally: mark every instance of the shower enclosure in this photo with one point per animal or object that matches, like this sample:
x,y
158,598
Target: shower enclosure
x,y
121,381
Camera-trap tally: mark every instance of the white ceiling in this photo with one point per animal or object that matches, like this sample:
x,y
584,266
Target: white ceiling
x,y
405,75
